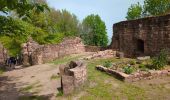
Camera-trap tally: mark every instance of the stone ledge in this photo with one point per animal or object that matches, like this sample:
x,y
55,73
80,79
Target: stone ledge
x,y
135,76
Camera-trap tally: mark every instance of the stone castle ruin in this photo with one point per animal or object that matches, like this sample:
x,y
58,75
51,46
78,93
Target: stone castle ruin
x,y
3,55
146,36
33,53
73,76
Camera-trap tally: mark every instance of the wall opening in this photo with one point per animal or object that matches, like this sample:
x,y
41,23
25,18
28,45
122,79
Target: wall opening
x,y
140,45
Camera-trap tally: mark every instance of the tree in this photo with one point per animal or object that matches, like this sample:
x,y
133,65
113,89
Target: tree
x,y
64,22
150,8
156,7
134,12
22,7
94,31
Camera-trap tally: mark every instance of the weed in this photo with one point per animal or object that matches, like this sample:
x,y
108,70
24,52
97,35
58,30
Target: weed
x,y
107,64
128,70
54,77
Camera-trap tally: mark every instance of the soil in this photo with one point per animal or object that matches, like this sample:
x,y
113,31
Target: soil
x,y
31,81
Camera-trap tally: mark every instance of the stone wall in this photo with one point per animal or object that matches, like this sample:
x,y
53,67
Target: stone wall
x,y
3,55
44,53
141,75
73,76
146,36
27,50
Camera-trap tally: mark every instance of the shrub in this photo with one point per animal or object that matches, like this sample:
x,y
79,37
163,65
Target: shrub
x,y
132,62
160,61
142,66
128,70
108,64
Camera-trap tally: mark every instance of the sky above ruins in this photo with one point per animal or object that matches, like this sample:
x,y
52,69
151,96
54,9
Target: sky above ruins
x,y
111,11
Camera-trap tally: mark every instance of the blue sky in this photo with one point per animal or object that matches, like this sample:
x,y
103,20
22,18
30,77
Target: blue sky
x,y
111,11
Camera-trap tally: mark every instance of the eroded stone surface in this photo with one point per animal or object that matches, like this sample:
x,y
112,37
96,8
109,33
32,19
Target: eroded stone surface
x,y
3,55
146,36
74,75
39,54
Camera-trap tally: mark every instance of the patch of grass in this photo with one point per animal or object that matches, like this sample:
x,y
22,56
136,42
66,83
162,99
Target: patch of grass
x,y
54,77
108,64
106,87
59,94
66,59
106,90
27,88
30,87
1,71
35,97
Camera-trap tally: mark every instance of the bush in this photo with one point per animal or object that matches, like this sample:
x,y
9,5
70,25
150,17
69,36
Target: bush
x,y
128,70
142,66
160,61
132,62
108,64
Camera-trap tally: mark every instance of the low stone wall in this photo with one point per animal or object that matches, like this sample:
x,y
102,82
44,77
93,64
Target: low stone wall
x,y
135,76
95,48
38,54
73,75
92,48
102,54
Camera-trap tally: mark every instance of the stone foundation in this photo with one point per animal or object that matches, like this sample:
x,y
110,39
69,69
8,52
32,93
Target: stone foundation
x,y
135,76
73,76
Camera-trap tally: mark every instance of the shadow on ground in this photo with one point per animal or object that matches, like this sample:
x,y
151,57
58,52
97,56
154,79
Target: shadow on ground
x,y
9,91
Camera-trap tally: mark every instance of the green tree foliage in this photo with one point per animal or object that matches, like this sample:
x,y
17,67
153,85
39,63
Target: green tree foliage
x,y
94,31
150,8
64,22
14,32
156,7
22,7
134,12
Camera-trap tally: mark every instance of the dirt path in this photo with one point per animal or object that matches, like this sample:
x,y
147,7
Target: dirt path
x,y
40,81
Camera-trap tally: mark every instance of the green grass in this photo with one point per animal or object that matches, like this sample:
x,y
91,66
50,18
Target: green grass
x,y
107,87
35,97
30,87
66,59
54,77
102,86
1,70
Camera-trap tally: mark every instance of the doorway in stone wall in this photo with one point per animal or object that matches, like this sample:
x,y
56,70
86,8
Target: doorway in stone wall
x,y
140,45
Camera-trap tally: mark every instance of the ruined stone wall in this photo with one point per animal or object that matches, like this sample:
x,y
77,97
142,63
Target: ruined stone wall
x,y
48,53
146,36
3,55
73,76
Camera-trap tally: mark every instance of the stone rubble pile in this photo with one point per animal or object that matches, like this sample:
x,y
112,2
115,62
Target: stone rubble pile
x,y
102,54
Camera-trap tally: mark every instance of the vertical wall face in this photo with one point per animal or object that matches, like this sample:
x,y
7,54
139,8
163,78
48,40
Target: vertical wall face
x,y
3,55
145,36
39,54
